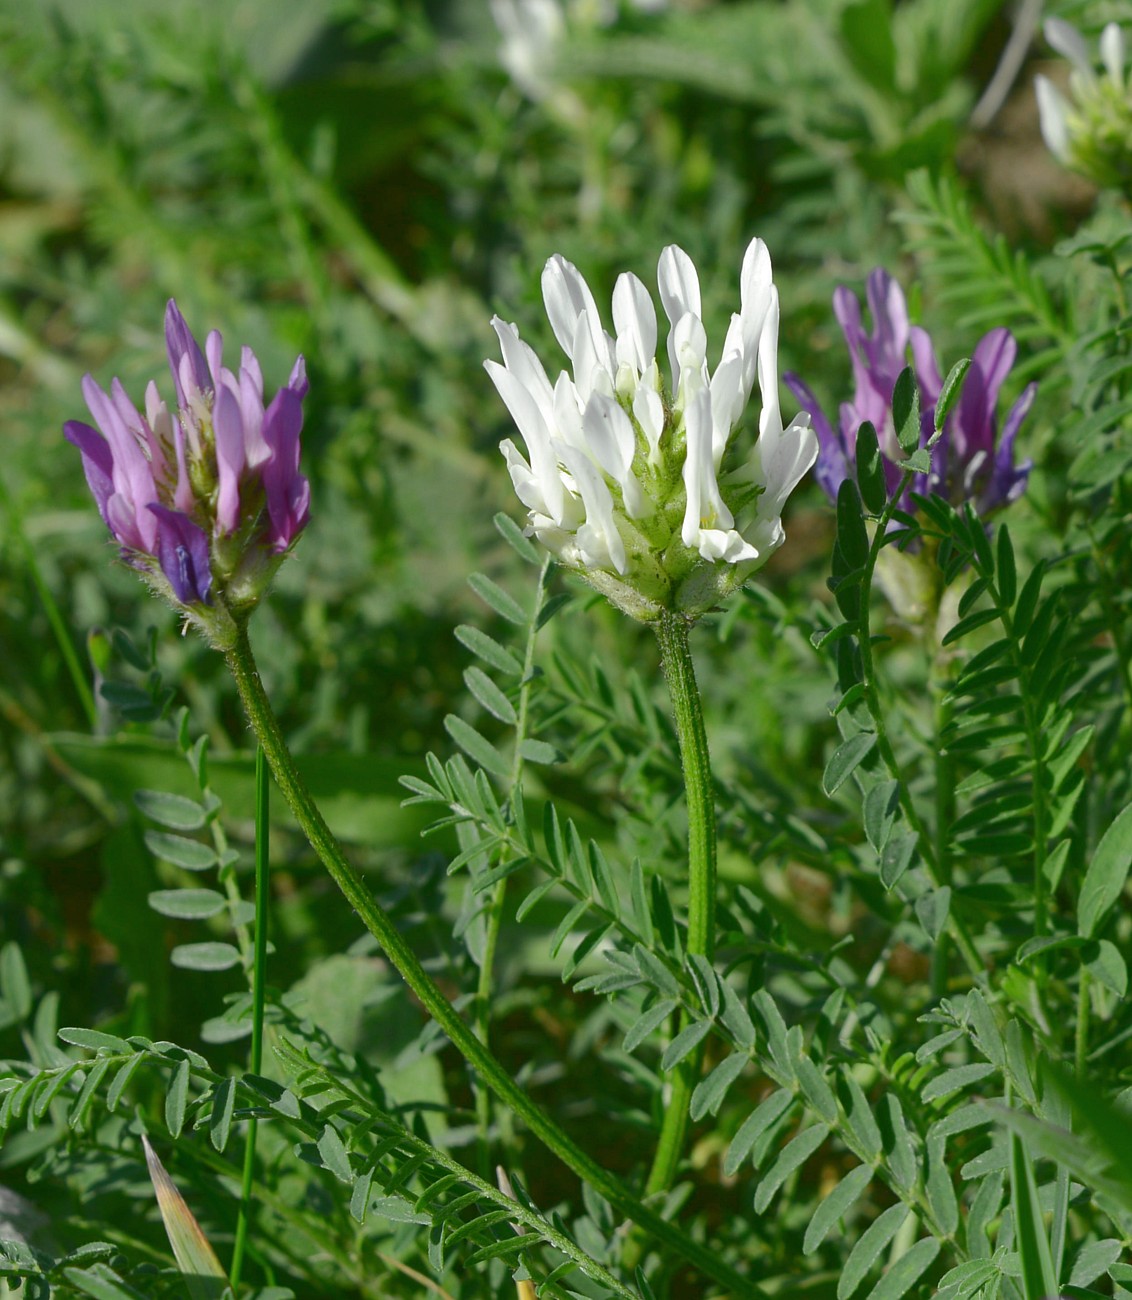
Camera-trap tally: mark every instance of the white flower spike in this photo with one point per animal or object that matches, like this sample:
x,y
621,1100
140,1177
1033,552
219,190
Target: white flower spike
x,y
637,485
1091,130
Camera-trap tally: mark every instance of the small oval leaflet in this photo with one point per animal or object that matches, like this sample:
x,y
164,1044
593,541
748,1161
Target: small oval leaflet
x,y
205,956
172,810
187,904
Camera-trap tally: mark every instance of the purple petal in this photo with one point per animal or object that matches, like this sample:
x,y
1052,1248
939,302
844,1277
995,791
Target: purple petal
x,y
184,351
288,492
889,339
132,473
974,415
182,552
98,462
928,379
228,426
298,380
1008,481
832,465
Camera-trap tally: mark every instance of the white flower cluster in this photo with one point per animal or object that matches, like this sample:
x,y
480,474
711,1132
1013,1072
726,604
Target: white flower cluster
x,y
1091,131
625,477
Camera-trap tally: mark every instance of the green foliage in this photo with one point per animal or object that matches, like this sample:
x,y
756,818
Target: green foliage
x,y
912,1036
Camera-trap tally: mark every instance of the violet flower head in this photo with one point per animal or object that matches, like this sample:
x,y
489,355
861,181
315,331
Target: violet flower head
x,y
971,462
204,501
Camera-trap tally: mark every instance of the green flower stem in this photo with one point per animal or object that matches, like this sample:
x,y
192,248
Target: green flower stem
x,y
494,922
255,1065
1081,1037
944,816
679,672
241,662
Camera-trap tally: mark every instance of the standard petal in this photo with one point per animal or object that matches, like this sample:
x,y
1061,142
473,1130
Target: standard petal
x,y
98,462
567,296
228,426
679,284
1053,117
287,491
186,360
1113,53
634,319
1070,44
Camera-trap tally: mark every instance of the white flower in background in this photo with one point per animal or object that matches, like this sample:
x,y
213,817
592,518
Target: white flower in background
x,y
531,31
631,476
1092,130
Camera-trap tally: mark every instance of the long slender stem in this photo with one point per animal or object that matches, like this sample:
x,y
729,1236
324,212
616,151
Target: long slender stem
x,y
1081,1036
241,662
262,871
494,920
944,816
687,710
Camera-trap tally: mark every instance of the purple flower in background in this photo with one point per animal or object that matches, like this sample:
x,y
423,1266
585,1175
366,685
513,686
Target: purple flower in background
x,y
209,497
970,462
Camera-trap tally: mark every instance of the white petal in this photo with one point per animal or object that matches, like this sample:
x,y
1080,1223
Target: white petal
x,y
634,319
1113,53
568,412
1053,114
678,283
613,443
755,278
705,508
598,539
526,485
727,402
533,429
1068,42
609,435
523,363
715,544
567,296
687,346
648,410
591,356
780,460
770,417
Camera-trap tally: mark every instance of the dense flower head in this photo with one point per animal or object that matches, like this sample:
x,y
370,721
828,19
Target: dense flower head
x,y
205,499
630,475
971,461
1091,131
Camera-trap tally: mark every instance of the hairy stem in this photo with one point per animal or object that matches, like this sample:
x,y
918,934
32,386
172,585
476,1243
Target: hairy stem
x,y
242,664
255,1064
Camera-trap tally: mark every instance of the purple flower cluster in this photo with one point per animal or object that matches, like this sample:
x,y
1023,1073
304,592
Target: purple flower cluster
x,y
209,492
966,464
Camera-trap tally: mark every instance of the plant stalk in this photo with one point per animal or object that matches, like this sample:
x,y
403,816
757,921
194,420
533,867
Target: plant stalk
x,y
255,1065
687,711
241,663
